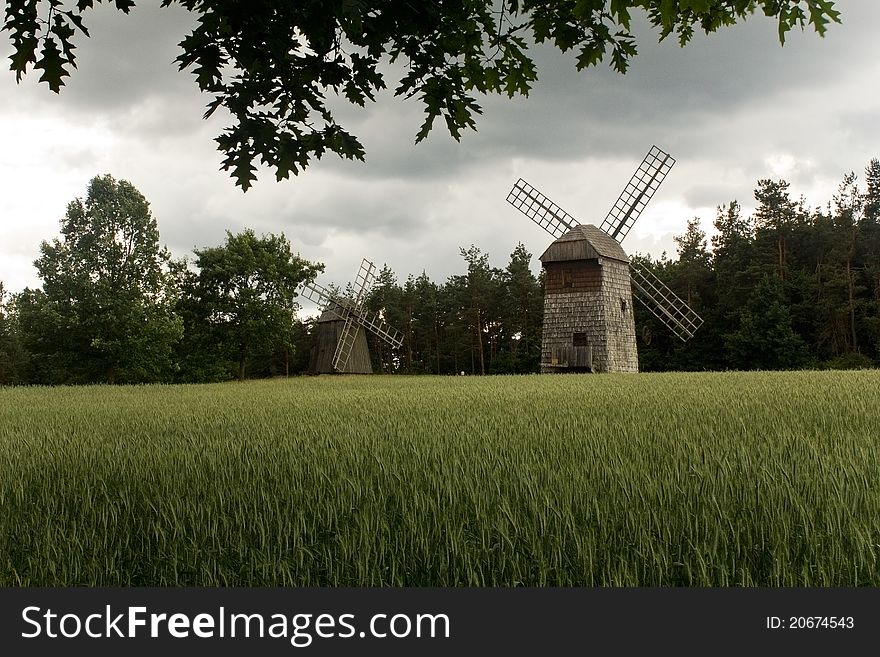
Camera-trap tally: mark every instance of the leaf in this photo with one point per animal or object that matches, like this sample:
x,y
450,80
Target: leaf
x,y
426,126
24,54
212,106
696,6
77,20
822,11
620,10
669,11
52,65
240,160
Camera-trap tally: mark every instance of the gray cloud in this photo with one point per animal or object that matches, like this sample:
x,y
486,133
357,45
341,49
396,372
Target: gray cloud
x,y
732,108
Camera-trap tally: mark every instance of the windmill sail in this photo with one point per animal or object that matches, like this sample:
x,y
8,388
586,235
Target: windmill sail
x,y
345,344
320,295
372,322
663,302
637,193
540,209
363,281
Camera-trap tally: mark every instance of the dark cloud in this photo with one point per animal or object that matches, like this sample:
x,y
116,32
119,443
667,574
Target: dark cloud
x,y
732,107
701,196
128,59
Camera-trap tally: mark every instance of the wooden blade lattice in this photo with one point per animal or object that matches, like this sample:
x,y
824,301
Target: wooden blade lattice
x,y
373,322
637,193
663,303
345,343
363,281
319,294
540,209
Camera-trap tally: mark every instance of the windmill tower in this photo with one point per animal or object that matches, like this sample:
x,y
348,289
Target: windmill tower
x,y
342,340
589,282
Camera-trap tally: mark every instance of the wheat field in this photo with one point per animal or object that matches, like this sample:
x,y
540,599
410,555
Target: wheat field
x,y
716,479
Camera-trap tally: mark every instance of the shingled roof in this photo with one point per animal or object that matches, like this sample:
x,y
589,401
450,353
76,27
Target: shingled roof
x,y
584,242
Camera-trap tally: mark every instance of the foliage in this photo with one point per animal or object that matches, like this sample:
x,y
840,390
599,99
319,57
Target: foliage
x,y
240,303
851,361
13,357
104,310
765,338
731,479
522,308
277,67
484,321
784,288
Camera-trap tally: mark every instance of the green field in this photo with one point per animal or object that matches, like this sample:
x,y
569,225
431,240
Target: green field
x,y
673,479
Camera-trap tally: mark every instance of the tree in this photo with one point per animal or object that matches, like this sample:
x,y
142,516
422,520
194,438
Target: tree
x,y
732,258
693,272
104,310
13,358
765,338
871,200
241,302
386,299
522,314
477,295
273,64
774,217
869,255
692,278
427,320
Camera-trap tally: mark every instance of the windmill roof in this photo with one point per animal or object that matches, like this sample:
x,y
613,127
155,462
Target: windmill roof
x,y
584,242
332,313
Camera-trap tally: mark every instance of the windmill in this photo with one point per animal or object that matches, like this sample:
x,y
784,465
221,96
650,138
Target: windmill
x,y
590,282
342,341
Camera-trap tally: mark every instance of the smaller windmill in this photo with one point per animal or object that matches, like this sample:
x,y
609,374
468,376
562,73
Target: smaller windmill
x,y
342,341
590,282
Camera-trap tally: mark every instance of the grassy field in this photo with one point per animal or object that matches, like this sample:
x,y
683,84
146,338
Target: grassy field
x,y
675,479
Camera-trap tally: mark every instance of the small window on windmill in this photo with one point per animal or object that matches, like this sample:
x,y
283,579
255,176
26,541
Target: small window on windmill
x,y
623,305
579,340
566,278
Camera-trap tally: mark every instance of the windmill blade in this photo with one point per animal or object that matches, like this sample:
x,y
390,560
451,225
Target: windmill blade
x,y
637,193
363,281
372,322
663,303
345,344
540,209
317,294
326,299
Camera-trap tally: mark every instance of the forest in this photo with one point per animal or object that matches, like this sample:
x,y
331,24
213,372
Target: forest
x,y
787,287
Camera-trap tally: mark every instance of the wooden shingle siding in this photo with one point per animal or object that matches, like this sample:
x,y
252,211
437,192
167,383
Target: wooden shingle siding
x,y
583,275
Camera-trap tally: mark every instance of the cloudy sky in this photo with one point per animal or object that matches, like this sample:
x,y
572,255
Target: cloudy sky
x,y
731,108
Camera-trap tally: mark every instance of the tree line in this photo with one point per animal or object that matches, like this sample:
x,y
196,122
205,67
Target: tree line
x,y
786,287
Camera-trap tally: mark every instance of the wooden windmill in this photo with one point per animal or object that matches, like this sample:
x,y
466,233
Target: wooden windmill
x,y
342,340
589,282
